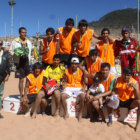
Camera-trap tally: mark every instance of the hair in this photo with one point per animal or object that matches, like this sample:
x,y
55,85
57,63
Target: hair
x,y
103,65
93,52
57,56
105,29
37,65
128,70
83,22
50,30
21,28
97,79
69,21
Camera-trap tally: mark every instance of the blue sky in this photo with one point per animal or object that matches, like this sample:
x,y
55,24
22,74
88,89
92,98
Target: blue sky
x,y
53,13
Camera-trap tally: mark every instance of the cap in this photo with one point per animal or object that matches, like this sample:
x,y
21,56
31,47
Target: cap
x,y
75,60
96,79
125,30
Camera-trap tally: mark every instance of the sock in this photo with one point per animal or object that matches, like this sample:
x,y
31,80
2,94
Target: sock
x,y
110,119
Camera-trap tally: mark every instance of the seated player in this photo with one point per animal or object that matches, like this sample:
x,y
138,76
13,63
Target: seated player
x,y
32,87
74,86
95,89
51,85
127,89
107,80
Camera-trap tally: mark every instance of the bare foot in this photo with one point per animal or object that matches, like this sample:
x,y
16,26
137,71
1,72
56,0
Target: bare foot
x,y
79,118
66,116
137,130
56,114
33,116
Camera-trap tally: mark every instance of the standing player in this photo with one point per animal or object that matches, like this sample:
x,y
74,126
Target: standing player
x,y
105,48
48,48
21,50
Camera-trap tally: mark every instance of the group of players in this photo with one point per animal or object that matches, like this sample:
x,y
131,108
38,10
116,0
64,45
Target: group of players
x,y
70,68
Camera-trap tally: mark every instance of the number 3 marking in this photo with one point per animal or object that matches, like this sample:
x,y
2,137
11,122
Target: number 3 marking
x,y
12,106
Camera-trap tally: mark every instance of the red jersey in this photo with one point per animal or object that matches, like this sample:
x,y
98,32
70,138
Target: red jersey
x,y
128,54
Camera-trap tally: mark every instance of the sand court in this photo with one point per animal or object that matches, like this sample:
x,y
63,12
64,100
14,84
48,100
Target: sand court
x,y
15,127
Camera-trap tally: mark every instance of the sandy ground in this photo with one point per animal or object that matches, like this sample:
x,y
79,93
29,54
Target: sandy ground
x,y
14,127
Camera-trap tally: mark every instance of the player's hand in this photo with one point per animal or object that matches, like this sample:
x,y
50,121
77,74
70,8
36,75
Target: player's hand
x,y
57,85
92,75
87,97
134,85
47,86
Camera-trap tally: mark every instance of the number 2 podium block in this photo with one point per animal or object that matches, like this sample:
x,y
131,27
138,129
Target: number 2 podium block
x,y
11,103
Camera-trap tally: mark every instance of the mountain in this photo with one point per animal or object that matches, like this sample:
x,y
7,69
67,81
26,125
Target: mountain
x,y
117,20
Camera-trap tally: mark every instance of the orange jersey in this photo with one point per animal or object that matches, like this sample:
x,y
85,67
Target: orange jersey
x,y
48,56
93,67
74,79
35,83
66,40
106,52
85,40
125,93
106,83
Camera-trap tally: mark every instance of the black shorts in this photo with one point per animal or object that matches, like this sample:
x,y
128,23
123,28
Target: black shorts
x,y
31,98
23,68
126,104
44,65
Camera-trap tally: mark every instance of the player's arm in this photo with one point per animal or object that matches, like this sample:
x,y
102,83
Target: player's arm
x,y
136,88
57,46
26,89
100,38
82,66
41,51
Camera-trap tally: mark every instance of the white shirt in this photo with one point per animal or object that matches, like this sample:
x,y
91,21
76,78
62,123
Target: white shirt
x,y
16,44
94,89
1,53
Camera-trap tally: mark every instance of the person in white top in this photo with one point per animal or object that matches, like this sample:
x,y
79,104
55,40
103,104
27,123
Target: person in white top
x,y
95,89
21,51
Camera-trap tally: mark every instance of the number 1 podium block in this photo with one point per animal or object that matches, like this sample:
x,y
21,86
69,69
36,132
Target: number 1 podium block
x,y
72,106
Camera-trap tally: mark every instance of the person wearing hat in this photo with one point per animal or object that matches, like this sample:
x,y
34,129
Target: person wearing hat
x,y
95,89
4,71
74,86
126,49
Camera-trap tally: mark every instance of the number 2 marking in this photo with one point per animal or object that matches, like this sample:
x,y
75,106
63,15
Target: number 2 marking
x,y
12,106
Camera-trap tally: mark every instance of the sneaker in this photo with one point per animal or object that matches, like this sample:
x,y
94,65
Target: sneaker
x,y
43,113
109,124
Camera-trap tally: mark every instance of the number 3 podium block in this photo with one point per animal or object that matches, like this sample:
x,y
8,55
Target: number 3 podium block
x,y
123,115
11,103
72,106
